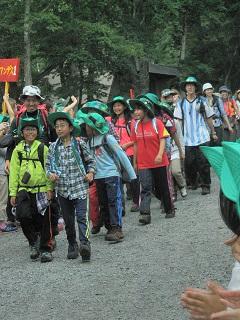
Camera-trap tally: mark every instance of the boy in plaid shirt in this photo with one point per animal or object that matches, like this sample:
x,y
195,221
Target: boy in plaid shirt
x,y
71,166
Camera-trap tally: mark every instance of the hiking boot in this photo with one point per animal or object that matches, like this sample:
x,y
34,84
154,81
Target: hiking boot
x,y
95,230
145,218
183,192
170,214
34,252
85,251
134,208
114,235
205,190
46,257
72,251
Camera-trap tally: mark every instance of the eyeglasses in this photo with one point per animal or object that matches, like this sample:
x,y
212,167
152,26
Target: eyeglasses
x,y
60,126
30,129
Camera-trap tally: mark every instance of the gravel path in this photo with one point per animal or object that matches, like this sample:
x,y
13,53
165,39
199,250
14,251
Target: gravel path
x,y
140,278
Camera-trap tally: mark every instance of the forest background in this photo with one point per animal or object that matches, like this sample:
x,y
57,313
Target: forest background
x,y
80,41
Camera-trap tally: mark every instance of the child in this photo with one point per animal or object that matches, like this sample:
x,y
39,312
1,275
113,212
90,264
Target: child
x,y
150,159
121,119
31,191
109,157
71,167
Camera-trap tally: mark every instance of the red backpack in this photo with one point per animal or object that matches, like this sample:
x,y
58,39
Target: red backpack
x,y
21,109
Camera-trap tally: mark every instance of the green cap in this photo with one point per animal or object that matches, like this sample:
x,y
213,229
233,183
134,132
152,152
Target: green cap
x,y
94,120
190,79
60,104
142,102
28,122
120,99
225,161
54,116
4,118
96,105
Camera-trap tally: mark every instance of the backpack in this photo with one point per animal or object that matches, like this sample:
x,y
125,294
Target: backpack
x,y
120,168
21,109
40,156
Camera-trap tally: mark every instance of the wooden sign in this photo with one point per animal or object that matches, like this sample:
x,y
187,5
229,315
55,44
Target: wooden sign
x,y
9,70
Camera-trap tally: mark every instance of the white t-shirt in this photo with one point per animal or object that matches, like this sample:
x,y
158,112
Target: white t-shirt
x,y
234,283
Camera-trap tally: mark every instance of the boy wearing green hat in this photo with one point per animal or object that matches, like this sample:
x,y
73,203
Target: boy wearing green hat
x,y
71,166
31,190
109,158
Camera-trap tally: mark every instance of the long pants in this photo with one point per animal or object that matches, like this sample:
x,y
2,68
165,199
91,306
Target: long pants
x,y
177,174
94,210
155,180
195,163
69,209
32,222
135,187
110,200
3,197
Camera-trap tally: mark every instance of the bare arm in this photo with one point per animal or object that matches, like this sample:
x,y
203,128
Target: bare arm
x,y
9,108
72,105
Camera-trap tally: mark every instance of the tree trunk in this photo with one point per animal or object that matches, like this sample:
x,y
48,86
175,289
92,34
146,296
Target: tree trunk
x,y
226,80
184,39
27,44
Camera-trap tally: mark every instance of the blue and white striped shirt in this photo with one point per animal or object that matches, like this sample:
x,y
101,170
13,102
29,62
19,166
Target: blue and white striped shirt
x,y
195,128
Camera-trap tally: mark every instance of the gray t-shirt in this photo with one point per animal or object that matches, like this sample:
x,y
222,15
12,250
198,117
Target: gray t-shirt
x,y
2,161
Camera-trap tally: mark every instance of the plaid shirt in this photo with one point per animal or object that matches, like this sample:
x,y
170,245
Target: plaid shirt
x,y
71,174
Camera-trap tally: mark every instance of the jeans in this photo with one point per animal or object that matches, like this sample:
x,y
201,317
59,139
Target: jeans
x,y
110,200
69,209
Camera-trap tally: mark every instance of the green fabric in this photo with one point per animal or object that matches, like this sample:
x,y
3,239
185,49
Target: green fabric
x,y
143,103
4,118
151,97
38,174
225,161
120,99
54,116
29,122
190,79
94,120
96,105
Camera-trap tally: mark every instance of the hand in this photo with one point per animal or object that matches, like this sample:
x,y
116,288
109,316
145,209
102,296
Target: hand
x,y
6,98
49,195
230,129
226,315
230,298
4,126
202,303
89,177
13,201
182,154
124,146
214,136
7,166
74,99
53,177
158,159
234,242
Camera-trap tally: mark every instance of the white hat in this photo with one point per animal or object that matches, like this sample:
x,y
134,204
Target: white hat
x,y
207,86
31,91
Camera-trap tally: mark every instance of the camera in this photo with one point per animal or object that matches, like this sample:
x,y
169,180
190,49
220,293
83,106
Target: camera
x,y
26,177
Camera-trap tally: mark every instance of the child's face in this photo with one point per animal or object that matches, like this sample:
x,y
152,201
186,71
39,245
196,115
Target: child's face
x,y
30,134
118,108
139,114
63,128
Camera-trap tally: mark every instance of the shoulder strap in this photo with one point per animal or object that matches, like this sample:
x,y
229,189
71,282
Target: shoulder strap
x,y
181,107
136,126
20,157
41,154
110,152
154,124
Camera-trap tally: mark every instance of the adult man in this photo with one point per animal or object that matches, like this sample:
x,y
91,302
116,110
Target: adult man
x,y
195,117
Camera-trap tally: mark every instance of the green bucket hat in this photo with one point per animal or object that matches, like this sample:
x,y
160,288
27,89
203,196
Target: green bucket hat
x,y
4,118
190,79
120,99
142,102
157,102
96,105
28,122
225,161
94,120
54,116
60,104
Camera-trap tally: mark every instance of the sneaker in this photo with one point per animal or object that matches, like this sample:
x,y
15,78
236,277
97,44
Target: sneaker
x,y
134,208
46,257
183,192
85,251
34,252
205,190
9,228
170,214
2,226
114,235
145,218
95,230
72,251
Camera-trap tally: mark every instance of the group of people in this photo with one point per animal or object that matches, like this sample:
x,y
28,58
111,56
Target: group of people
x,y
58,161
